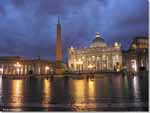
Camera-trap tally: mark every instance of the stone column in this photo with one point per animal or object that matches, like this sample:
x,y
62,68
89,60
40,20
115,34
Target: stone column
x,y
6,68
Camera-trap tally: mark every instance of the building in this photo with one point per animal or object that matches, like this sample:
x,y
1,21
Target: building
x,y
135,59
97,57
17,65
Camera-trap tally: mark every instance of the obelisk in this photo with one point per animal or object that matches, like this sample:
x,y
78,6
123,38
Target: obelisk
x,y
59,69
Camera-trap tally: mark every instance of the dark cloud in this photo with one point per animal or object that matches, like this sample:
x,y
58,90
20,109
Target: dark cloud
x,y
28,27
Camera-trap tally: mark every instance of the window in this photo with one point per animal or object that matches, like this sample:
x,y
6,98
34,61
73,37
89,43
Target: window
x,y
104,57
117,57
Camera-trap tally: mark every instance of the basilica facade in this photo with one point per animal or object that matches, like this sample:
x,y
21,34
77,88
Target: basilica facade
x,y
97,57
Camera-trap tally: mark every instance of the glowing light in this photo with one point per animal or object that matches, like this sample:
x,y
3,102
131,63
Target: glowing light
x,y
117,69
17,92
18,66
134,65
79,62
98,35
136,86
17,70
134,46
47,68
1,70
91,66
46,92
79,90
116,44
142,62
91,88
1,81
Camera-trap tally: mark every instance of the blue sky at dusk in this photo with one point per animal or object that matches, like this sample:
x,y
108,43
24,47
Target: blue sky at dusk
x,y
28,27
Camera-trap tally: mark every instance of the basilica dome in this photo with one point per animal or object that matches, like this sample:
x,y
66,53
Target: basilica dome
x,y
98,41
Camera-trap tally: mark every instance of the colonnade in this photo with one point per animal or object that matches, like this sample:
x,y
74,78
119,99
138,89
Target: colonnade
x,y
25,69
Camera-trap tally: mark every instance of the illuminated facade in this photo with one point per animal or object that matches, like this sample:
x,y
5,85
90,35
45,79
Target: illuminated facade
x,y
18,65
136,58
98,57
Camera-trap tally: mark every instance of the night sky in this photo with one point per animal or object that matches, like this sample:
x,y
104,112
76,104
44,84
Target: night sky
x,y
28,27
